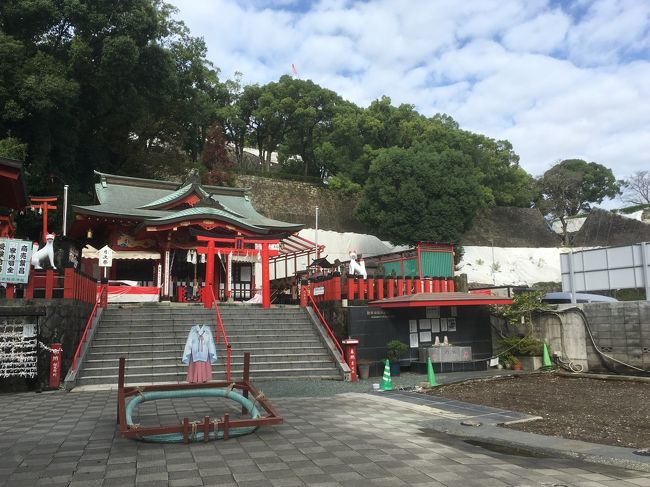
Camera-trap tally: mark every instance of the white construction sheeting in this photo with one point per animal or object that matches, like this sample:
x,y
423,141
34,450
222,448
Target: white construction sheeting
x,y
609,268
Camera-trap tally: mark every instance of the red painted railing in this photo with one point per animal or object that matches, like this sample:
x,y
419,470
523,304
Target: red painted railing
x,y
52,284
100,302
354,288
219,328
324,323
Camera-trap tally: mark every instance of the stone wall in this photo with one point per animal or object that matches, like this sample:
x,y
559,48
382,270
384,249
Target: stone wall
x,y
620,330
296,202
603,228
511,227
59,321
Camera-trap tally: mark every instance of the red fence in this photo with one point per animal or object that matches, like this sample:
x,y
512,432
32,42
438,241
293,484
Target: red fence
x,y
100,303
53,284
334,288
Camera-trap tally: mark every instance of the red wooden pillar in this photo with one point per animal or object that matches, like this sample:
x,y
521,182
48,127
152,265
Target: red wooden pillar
x,y
391,287
362,288
209,276
10,291
443,285
29,289
436,285
266,281
451,285
68,283
371,289
351,286
418,285
427,284
400,286
337,286
380,288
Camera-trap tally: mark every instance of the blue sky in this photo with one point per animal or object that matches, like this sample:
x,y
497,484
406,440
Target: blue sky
x,y
559,79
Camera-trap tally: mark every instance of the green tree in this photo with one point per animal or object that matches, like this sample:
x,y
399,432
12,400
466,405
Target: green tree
x,y
13,149
418,194
115,86
309,122
571,186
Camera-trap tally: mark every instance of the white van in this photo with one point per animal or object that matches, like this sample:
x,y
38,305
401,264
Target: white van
x,y
563,298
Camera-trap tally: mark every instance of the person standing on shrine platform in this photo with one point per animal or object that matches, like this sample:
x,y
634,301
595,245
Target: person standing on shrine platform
x,y
200,353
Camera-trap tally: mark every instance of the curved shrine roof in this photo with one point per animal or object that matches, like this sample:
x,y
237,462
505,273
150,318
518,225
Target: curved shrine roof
x,y
155,202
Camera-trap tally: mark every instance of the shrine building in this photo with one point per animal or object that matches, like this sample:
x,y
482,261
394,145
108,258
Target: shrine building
x,y
168,237
13,195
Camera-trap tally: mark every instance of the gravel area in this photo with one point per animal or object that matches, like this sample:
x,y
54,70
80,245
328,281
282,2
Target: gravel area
x,y
608,412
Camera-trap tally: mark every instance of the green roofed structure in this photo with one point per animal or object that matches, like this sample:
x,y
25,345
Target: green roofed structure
x,y
161,232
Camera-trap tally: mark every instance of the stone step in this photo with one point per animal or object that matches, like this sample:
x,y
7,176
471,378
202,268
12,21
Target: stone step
x,y
255,353
176,345
140,360
182,333
179,327
144,379
132,369
203,311
181,320
120,338
283,343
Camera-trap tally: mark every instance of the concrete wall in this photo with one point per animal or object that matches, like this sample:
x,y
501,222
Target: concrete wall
x,y
620,330
59,321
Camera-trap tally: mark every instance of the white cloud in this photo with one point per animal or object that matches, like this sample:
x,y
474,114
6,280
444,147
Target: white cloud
x,y
544,33
558,80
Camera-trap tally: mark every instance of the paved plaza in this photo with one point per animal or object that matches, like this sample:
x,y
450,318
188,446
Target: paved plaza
x,y
350,439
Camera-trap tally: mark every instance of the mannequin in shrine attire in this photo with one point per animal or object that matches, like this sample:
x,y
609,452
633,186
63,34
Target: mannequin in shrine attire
x,y
199,354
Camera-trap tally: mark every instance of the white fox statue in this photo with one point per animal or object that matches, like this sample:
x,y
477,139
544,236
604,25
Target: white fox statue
x,y
47,252
357,267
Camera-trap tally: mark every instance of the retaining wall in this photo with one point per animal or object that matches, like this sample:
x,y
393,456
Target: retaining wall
x,y
620,330
59,321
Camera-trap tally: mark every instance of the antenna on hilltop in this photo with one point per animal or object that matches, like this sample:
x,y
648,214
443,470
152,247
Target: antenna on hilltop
x,y
294,71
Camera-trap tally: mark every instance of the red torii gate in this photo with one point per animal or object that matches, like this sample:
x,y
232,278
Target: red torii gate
x,y
240,245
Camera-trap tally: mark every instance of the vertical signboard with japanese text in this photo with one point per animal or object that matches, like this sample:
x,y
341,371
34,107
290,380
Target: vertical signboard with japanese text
x,y
15,256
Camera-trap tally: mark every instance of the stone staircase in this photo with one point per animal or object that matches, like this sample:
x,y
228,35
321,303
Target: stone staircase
x,y
283,342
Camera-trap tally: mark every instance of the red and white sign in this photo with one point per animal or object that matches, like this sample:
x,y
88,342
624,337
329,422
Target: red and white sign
x,y
133,294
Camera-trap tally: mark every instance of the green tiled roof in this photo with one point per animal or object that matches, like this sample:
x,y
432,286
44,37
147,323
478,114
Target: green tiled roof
x,y
141,200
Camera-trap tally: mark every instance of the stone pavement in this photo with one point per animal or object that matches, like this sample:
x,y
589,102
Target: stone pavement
x,y
352,439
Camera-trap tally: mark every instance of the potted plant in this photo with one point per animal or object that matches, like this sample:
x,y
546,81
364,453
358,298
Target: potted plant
x,y
364,368
525,351
396,349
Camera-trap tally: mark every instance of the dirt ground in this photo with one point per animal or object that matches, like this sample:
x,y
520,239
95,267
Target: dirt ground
x,y
609,412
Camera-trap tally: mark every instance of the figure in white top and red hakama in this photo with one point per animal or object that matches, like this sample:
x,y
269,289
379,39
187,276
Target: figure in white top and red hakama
x,y
200,353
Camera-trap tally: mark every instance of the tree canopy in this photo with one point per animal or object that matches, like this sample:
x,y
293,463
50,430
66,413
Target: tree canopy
x,y
571,186
419,194
114,86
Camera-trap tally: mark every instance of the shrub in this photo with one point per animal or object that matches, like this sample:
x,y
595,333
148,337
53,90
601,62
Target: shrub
x,y
527,346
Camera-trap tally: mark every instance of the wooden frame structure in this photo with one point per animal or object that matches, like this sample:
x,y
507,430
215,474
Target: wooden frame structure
x,y
225,424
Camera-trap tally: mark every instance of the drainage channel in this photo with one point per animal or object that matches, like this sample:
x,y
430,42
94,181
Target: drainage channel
x,y
506,449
